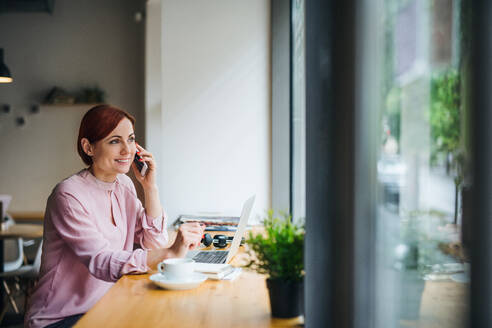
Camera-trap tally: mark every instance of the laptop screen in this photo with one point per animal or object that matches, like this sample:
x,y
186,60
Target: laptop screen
x,y
243,222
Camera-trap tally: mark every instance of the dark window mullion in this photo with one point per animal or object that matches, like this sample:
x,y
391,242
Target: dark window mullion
x,y
481,209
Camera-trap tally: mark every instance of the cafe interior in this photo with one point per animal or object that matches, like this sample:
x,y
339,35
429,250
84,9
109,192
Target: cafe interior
x,y
362,125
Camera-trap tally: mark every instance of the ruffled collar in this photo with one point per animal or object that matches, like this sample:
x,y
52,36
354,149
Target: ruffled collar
x,y
108,186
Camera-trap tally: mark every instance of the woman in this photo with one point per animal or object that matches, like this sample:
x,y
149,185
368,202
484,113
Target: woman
x,y
93,220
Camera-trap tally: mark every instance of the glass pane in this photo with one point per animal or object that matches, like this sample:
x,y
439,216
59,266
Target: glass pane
x,y
423,266
298,111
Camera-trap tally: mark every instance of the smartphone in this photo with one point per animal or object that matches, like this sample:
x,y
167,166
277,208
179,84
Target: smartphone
x,y
141,166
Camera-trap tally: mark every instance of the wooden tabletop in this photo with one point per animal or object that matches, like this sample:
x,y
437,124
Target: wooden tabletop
x,y
32,216
134,301
22,231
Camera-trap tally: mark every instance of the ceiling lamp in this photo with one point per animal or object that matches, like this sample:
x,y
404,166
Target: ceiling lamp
x,y
5,76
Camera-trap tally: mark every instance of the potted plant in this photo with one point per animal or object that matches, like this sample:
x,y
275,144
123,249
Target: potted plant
x,y
278,252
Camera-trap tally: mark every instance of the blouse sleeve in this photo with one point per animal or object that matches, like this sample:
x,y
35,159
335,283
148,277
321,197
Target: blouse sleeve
x,y
74,225
150,233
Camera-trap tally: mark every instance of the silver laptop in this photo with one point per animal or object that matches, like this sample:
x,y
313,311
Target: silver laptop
x,y
226,256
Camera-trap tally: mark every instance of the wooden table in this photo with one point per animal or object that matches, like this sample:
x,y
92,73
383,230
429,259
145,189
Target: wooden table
x,y
134,301
22,231
21,217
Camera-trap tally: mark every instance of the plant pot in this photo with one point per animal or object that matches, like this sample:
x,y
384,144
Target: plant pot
x,y
286,298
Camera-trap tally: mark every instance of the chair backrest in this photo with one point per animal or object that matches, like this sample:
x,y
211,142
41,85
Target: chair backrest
x,y
37,260
13,252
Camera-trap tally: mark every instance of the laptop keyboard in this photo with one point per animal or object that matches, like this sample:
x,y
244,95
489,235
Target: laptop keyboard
x,y
211,257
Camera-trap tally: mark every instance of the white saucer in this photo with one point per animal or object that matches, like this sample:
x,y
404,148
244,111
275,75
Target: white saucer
x,y
174,284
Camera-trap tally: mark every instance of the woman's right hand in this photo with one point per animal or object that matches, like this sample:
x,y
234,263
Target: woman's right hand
x,y
188,237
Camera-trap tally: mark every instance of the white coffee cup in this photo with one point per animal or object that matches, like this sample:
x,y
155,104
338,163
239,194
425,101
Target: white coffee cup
x,y
177,268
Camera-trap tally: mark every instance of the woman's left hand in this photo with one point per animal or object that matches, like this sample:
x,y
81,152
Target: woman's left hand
x,y
149,179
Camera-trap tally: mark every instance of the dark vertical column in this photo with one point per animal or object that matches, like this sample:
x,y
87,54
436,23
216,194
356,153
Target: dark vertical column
x,y
320,174
330,147
481,216
344,102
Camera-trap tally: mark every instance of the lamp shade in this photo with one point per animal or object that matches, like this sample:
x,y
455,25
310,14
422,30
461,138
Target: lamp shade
x,y
5,76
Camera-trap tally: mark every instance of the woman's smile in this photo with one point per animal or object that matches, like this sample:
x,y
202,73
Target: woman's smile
x,y
123,160
123,164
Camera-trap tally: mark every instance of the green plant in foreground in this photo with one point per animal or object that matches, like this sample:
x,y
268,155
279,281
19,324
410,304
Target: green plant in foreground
x,y
278,251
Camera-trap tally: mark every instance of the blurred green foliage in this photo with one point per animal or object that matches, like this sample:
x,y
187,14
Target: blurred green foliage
x,y
445,114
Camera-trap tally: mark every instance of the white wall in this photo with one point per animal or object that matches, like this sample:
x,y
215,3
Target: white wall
x,y
81,44
215,138
39,155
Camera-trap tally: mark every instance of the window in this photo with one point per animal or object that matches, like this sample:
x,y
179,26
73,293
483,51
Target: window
x,y
298,124
422,272
397,95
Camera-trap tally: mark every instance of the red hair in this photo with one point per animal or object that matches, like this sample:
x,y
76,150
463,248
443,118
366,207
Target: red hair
x,y
97,124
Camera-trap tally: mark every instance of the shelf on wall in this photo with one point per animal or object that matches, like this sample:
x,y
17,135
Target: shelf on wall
x,y
70,105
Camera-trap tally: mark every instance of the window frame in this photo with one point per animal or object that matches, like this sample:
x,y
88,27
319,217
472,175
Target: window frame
x,y
339,246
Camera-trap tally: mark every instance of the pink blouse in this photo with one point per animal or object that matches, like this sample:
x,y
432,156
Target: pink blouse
x,y
84,252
